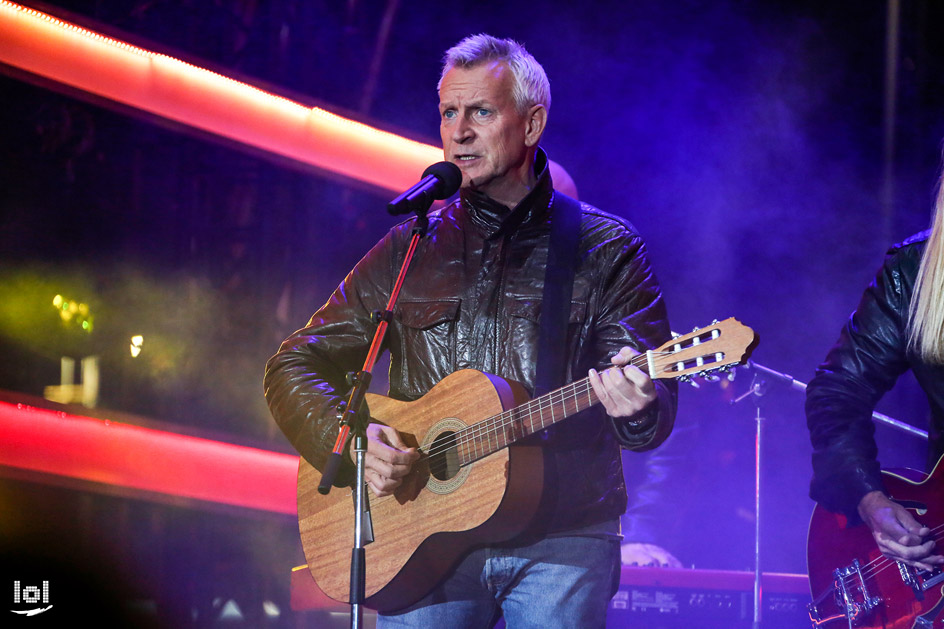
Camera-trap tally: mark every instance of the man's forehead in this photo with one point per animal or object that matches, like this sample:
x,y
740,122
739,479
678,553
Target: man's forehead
x,y
489,80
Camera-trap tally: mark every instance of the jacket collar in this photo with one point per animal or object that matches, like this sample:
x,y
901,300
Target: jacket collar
x,y
496,219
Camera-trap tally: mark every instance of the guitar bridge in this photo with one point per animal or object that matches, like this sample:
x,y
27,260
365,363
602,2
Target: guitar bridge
x,y
851,596
909,577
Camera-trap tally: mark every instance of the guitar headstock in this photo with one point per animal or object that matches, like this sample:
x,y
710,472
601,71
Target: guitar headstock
x,y
715,347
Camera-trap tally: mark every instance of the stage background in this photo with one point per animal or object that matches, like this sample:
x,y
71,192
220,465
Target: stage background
x,y
744,140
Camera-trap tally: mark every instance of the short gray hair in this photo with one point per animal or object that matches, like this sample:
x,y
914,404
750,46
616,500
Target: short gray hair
x,y
531,84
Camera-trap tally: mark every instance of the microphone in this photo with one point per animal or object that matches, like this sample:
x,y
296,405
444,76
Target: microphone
x,y
440,181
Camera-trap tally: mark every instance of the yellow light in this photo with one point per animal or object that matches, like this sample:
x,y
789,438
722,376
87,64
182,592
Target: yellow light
x,y
74,312
137,342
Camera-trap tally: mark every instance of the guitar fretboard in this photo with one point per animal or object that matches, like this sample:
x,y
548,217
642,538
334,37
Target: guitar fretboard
x,y
702,351
499,431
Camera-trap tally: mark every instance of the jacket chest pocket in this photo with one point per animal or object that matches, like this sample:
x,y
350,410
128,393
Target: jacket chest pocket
x,y
427,344
524,323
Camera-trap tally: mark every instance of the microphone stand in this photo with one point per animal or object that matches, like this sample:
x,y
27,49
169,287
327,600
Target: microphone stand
x,y
352,419
790,382
758,389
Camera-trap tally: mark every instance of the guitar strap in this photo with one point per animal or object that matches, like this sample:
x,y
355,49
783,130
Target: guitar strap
x,y
551,366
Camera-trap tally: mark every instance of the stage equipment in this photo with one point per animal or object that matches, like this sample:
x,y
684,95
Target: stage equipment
x,y
758,389
657,598
440,181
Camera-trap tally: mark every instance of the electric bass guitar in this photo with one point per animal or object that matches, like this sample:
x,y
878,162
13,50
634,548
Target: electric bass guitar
x,y
854,585
474,483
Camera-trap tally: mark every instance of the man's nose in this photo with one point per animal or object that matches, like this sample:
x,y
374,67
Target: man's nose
x,y
462,132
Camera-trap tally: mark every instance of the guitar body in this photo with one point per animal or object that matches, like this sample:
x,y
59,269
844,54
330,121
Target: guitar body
x,y
422,530
832,545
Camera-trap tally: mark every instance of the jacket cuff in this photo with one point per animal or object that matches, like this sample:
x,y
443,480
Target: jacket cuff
x,y
637,430
842,494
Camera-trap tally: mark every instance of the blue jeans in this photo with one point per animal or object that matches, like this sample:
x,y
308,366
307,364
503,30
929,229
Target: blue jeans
x,y
556,582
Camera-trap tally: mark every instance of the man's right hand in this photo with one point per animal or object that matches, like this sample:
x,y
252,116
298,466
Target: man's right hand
x,y
387,460
898,535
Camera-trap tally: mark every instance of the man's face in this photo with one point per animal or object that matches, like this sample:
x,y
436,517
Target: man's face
x,y
484,134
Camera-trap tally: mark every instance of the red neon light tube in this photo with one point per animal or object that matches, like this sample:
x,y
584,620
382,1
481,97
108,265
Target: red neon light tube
x,y
143,459
170,88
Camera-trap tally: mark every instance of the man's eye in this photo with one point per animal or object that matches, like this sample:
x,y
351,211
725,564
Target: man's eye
x,y
482,112
449,114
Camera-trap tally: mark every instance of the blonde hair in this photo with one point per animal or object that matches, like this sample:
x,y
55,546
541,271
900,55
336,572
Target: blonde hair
x,y
926,311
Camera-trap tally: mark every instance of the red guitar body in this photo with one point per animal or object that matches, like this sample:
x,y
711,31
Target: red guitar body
x,y
854,585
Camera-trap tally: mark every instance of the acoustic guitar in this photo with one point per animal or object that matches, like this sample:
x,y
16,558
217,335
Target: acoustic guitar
x,y
474,482
854,585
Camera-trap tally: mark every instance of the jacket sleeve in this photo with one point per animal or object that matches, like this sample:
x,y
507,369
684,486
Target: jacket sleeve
x,y
861,367
633,313
307,378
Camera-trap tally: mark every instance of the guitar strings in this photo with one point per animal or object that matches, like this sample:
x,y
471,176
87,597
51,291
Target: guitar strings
x,y
881,563
496,424
472,436
479,438
873,568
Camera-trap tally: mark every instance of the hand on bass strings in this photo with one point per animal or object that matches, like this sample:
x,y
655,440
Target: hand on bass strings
x,y
898,535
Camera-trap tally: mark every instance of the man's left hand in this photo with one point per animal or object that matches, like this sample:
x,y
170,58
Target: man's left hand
x,y
623,389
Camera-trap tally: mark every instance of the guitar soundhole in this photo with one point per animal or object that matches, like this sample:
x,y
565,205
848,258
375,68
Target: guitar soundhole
x,y
444,458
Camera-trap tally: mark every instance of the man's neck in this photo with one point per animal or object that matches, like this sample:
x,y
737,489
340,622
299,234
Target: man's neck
x,y
515,191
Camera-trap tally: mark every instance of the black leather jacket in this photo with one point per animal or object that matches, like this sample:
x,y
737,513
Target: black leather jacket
x,y
859,369
472,300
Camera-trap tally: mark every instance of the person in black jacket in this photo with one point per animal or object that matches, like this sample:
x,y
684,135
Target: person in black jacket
x,y
898,325
472,299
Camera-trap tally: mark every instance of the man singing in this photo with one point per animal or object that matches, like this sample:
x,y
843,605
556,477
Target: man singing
x,y
472,300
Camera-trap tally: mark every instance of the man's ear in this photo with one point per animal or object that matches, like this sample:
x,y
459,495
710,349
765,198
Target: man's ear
x,y
536,121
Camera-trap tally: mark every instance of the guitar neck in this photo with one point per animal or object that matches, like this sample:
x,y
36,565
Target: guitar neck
x,y
499,431
712,348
